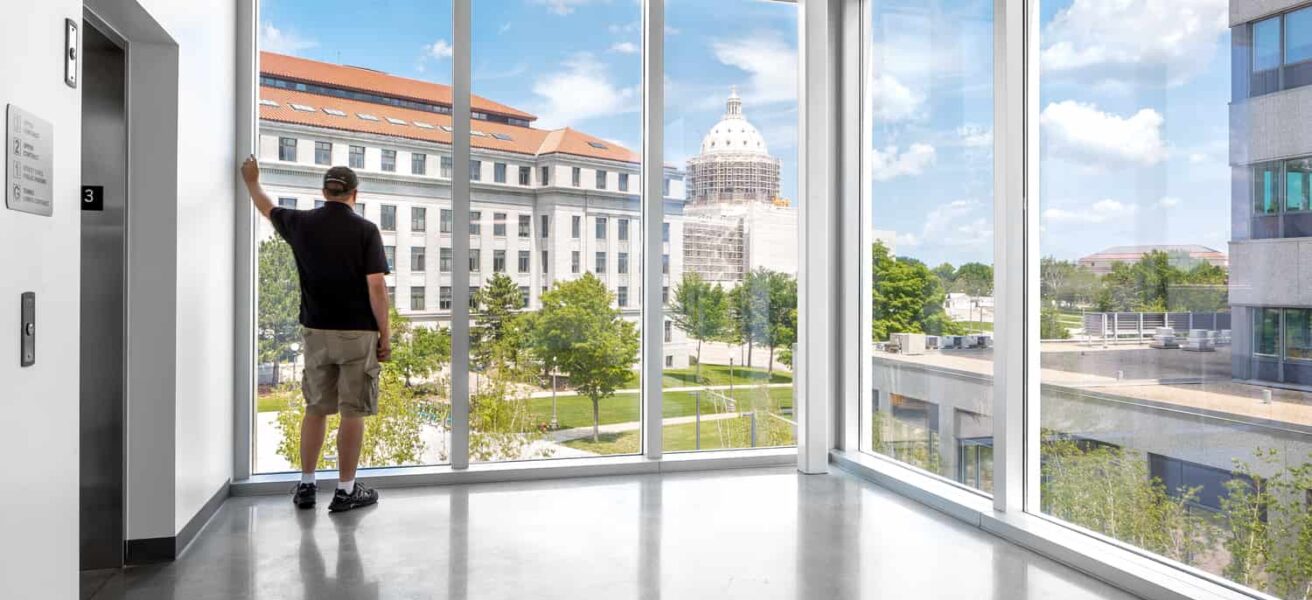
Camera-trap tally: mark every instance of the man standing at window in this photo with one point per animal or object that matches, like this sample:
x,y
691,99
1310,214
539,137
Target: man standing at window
x,y
344,310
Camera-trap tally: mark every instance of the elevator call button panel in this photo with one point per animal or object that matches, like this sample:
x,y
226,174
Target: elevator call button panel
x,y
27,330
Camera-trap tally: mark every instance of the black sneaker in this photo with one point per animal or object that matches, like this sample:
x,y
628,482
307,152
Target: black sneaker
x,y
359,498
304,495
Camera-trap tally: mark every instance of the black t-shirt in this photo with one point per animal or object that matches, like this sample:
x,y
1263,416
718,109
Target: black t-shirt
x,y
335,251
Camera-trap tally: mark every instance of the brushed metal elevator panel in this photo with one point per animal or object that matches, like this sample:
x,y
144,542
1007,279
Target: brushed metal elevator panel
x,y
103,301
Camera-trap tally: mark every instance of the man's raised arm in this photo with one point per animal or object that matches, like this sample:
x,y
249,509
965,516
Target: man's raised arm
x,y
250,173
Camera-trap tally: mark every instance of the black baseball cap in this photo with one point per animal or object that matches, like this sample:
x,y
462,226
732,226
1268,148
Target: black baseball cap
x,y
340,180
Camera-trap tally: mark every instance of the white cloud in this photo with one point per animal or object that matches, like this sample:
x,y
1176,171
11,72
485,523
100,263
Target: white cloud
x,y
895,101
974,136
561,7
889,163
959,223
276,40
1166,41
579,92
625,48
1101,211
438,50
1083,134
770,63
1168,202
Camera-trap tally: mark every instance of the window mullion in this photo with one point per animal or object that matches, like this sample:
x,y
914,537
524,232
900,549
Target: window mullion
x,y
653,215
460,154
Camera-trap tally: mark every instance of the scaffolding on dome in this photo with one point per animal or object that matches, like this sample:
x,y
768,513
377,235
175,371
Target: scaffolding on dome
x,y
733,178
713,249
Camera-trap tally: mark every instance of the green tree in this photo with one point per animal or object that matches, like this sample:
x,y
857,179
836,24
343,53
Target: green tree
x,y
1050,326
501,425
947,274
974,279
749,309
418,352
782,315
278,322
499,302
700,310
579,331
907,298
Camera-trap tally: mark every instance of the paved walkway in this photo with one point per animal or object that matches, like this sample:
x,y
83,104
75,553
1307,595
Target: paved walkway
x,y
575,433
690,388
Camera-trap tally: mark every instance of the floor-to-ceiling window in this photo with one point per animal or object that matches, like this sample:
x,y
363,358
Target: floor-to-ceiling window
x,y
929,174
352,84
731,224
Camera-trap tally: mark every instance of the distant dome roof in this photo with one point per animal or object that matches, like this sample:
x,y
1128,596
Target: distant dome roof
x,y
734,133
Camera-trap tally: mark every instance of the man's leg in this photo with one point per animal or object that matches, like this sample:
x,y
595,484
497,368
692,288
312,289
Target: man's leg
x,y
313,429
350,436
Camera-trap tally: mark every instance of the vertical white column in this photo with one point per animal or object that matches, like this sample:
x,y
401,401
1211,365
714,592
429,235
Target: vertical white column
x,y
817,383
855,232
653,216
460,114
244,262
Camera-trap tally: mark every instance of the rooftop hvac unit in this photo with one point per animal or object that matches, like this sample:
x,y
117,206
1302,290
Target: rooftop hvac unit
x,y
912,344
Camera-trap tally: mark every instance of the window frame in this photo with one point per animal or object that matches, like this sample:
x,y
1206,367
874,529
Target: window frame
x,y
320,148
387,162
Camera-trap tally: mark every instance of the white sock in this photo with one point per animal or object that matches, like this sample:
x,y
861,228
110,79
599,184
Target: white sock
x,y
346,486
307,478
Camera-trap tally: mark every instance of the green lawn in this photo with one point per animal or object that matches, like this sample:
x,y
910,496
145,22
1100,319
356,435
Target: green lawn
x,y
677,438
715,375
976,326
576,411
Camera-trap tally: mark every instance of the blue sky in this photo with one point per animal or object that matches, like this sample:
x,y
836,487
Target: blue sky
x,y
1133,129
1134,126
574,63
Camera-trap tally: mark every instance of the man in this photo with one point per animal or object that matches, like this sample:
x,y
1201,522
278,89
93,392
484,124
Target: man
x,y
344,310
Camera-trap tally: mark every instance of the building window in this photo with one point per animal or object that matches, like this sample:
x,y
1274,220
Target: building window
x,y
665,295
623,266
446,165
523,296
319,203
389,160
669,331
1298,36
499,172
444,297
1266,196
473,298
525,261
475,259
665,232
622,295
418,254
391,295
665,187
1298,334
623,229
445,218
601,228
601,179
525,175
387,219
419,163
444,260
390,253
545,262
475,170
1266,329
525,226
546,221
417,298
545,176
475,225
576,177
287,203
418,218
499,224
665,264
359,209
287,149
498,261
574,261
575,227
1298,185
355,158
624,182
669,361
323,153
600,266
1266,45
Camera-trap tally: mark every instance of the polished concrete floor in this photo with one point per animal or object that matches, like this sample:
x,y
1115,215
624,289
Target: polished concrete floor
x,y
751,534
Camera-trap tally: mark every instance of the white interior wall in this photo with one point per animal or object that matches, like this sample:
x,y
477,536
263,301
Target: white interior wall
x,y
39,404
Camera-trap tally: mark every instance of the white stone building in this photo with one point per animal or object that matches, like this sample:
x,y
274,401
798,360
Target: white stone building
x,y
546,205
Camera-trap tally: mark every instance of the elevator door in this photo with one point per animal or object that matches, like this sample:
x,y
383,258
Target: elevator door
x,y
104,163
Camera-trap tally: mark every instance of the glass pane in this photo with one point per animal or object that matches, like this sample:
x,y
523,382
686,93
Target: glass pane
x,y
1173,411
731,225
930,99
1266,44
1298,36
554,88
1298,176
411,425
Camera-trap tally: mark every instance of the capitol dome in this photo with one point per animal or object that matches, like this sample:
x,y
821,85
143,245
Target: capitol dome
x,y
734,133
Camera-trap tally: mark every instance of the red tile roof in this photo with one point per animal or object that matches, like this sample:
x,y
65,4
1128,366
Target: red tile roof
x,y
523,140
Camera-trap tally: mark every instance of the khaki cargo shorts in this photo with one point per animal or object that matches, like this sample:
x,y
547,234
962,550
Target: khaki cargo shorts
x,y
341,372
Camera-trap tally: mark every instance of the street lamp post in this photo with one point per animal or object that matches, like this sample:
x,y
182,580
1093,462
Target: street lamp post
x,y
555,424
